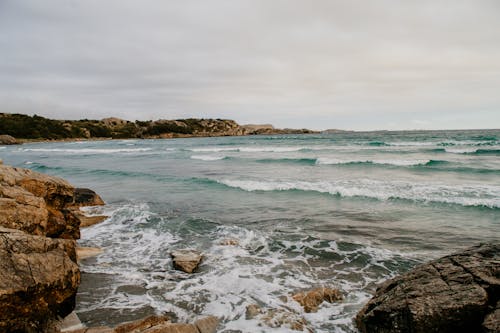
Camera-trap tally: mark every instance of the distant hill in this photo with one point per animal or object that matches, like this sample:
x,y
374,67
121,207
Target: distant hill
x,y
22,126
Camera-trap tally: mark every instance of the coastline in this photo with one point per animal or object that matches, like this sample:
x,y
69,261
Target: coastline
x,y
142,231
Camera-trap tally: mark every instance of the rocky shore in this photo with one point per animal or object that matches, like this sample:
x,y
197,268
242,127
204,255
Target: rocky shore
x,y
39,274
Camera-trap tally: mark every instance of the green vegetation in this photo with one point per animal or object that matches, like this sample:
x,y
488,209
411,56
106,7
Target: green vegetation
x,y
39,128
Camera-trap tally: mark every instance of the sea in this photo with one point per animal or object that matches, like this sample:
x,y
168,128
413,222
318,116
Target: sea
x,y
342,210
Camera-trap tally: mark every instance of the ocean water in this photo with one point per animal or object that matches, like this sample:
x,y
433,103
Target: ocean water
x,y
342,210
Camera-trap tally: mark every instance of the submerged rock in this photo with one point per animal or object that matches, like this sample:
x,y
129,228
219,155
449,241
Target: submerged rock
x,y
312,299
457,293
39,279
186,260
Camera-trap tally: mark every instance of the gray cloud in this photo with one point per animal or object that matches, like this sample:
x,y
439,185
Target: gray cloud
x,y
317,64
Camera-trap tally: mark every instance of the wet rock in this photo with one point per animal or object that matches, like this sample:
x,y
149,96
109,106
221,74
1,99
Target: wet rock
x,y
229,242
39,278
283,318
252,311
491,323
86,197
311,300
87,252
207,324
87,221
456,293
142,325
8,140
186,260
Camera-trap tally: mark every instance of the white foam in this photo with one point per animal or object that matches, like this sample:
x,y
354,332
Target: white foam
x,y
255,271
88,150
207,157
249,149
330,161
466,195
461,150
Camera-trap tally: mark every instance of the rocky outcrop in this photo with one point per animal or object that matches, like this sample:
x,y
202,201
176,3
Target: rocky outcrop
x,y
39,278
40,204
457,293
8,140
186,260
39,275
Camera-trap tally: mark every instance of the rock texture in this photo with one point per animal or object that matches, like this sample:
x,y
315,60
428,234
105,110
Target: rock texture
x,y
39,278
7,140
457,293
186,260
312,299
40,204
159,324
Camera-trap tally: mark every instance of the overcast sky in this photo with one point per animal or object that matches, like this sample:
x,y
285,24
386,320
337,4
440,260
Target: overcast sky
x,y
354,64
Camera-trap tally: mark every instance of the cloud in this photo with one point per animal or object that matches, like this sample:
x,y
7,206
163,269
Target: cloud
x,y
294,63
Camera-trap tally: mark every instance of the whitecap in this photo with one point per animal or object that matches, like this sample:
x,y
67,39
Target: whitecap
x,y
465,195
207,157
327,161
88,150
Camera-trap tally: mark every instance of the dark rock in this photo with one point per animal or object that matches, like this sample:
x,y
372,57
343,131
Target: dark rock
x,y
453,294
86,197
39,278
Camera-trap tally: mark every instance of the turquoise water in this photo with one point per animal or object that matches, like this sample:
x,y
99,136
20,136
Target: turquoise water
x,y
342,210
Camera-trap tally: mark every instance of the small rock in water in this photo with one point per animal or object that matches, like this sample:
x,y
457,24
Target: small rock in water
x,y
282,318
186,260
230,242
311,300
253,310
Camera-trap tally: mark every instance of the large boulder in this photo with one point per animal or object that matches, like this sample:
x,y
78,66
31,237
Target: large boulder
x,y
39,278
40,204
457,293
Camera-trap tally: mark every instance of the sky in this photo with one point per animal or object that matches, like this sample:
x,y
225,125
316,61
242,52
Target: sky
x,y
358,65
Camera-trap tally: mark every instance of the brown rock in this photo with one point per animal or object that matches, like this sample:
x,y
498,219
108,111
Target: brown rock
x,y
311,300
207,324
252,311
87,252
491,323
39,278
229,242
283,318
141,325
7,140
186,260
87,221
40,204
451,294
